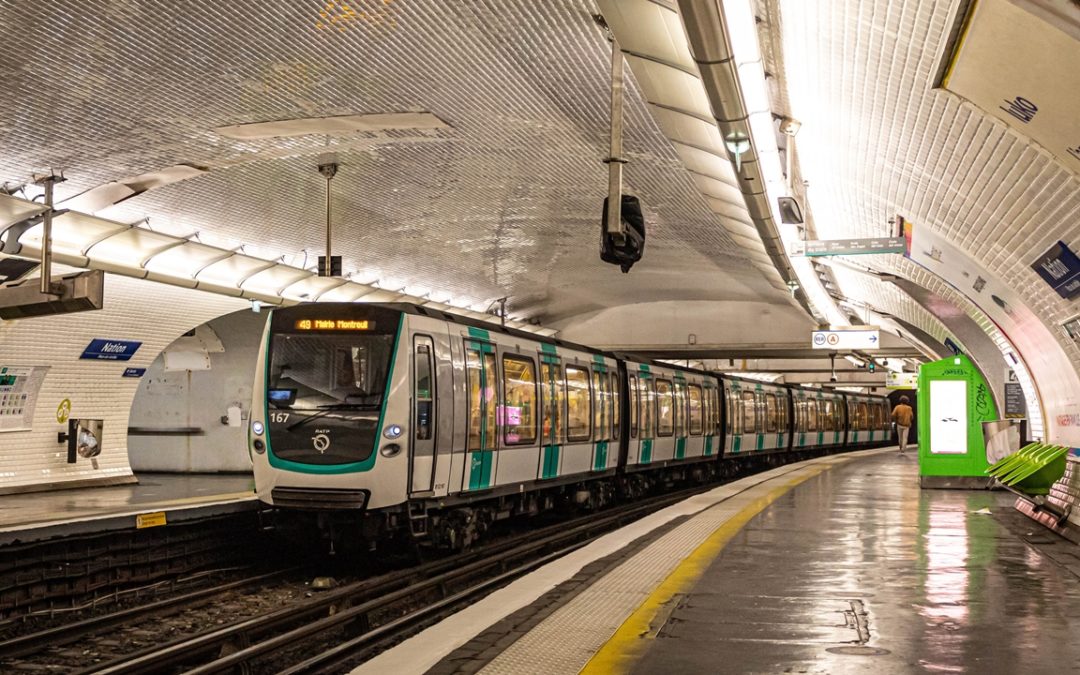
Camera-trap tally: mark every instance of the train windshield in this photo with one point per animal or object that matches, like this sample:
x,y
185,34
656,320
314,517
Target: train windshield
x,y
325,392
312,371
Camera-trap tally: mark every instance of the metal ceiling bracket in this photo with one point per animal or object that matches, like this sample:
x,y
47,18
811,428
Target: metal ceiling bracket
x,y
615,161
47,286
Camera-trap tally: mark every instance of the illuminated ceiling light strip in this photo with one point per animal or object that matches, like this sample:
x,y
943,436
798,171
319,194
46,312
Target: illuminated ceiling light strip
x,y
742,34
29,245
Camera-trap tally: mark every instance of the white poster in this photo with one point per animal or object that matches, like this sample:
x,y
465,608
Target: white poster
x,y
948,417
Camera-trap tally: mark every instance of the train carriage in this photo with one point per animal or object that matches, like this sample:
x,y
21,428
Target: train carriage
x,y
757,416
819,418
674,415
869,420
399,411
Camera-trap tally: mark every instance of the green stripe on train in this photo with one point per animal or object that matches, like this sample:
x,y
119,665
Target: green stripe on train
x,y
600,462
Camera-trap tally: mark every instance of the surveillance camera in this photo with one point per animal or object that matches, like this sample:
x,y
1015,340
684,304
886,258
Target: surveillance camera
x,y
789,126
832,378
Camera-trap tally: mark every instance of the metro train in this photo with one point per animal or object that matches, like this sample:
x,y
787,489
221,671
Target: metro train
x,y
432,425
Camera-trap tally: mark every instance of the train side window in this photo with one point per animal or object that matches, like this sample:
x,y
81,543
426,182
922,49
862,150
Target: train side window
x,y
680,408
665,415
600,397
749,423
578,404
863,416
423,388
648,408
551,391
811,415
634,396
697,409
772,414
518,415
616,411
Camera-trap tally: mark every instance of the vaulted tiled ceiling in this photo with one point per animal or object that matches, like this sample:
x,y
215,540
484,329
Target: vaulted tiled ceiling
x,y
505,201
878,140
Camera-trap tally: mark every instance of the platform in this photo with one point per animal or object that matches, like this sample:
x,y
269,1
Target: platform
x,y
840,564
43,515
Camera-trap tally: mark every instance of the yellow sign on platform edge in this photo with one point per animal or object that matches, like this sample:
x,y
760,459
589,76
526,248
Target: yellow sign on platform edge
x,y
149,520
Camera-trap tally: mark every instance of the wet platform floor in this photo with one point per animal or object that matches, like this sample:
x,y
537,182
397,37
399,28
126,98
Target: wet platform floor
x,y
858,570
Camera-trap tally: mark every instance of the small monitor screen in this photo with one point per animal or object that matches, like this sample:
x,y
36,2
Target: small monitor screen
x,y
282,396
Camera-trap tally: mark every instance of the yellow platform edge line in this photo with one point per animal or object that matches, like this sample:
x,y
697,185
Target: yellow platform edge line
x,y
631,639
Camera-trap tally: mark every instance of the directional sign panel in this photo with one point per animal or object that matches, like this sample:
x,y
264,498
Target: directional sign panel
x,y
845,339
901,380
824,247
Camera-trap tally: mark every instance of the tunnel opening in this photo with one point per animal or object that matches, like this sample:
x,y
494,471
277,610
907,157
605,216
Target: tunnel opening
x,y
187,429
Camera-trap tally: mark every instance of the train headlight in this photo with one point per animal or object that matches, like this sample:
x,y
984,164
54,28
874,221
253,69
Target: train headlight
x,y
393,431
257,427
390,449
259,446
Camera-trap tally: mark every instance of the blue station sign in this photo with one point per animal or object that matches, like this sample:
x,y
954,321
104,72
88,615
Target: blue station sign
x,y
1060,268
134,372
110,350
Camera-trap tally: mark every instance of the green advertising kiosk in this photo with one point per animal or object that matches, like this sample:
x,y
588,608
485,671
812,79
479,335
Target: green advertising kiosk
x,y
953,403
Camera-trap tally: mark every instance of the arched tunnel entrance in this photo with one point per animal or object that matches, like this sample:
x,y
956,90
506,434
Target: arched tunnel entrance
x,y
190,412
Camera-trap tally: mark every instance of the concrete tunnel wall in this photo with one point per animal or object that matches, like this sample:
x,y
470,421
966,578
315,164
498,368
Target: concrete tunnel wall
x,y
151,313
196,388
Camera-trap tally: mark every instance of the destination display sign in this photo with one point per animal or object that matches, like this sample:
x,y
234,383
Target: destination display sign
x,y
334,324
846,339
826,247
1060,268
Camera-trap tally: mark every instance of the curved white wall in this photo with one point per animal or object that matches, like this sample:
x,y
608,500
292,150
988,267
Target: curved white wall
x,y
151,313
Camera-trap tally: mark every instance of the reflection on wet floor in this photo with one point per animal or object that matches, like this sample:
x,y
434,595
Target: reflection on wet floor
x,y
152,489
860,571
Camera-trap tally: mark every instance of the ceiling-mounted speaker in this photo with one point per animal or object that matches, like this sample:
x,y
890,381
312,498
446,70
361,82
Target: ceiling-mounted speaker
x,y
790,211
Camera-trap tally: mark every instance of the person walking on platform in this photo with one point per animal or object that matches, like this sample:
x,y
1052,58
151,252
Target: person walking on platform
x,y
902,415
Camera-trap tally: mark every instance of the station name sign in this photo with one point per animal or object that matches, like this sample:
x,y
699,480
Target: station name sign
x,y
846,339
1060,268
826,247
334,324
110,350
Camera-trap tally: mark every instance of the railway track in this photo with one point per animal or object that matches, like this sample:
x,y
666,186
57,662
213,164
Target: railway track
x,y
291,629
309,634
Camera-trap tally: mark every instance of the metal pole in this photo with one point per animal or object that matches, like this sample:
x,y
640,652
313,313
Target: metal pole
x,y
46,235
615,160
329,170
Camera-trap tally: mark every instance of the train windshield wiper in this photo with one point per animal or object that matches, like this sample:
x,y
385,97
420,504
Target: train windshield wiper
x,y
329,408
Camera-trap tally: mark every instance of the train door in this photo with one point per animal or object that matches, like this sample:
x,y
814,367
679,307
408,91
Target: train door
x,y
551,404
647,397
680,418
424,415
709,413
482,382
697,409
601,414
